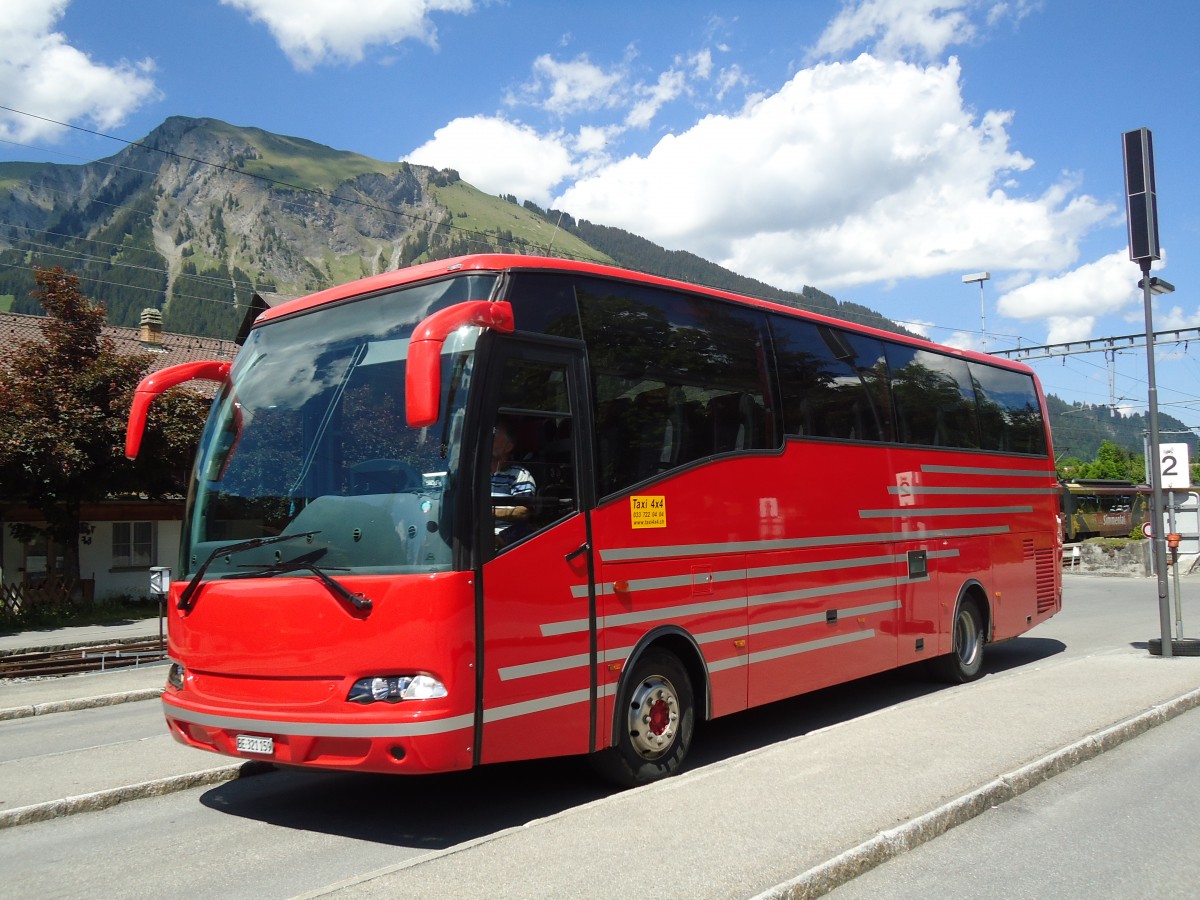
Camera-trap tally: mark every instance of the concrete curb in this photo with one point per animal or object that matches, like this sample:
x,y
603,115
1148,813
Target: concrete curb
x,y
69,806
57,706
847,866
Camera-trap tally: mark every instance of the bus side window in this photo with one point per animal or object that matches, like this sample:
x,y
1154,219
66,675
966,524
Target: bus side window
x,y
834,383
676,379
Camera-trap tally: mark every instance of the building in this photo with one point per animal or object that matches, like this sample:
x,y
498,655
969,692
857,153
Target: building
x,y
129,534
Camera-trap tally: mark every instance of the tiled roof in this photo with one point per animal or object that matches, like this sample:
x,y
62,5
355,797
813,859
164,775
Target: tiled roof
x,y
174,349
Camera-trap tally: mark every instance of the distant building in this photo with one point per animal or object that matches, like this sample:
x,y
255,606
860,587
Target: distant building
x,y
129,535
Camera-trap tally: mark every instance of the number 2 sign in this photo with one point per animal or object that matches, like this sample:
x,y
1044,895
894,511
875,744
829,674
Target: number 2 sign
x,y
1173,466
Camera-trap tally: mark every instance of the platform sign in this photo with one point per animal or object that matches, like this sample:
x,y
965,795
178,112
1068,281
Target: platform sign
x,y
1174,467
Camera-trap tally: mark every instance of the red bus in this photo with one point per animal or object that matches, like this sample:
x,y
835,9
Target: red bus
x,y
723,502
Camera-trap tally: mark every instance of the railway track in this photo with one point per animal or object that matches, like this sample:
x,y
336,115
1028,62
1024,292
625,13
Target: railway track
x,y
75,660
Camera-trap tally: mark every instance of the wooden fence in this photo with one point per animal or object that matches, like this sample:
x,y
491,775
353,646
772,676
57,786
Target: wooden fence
x,y
17,600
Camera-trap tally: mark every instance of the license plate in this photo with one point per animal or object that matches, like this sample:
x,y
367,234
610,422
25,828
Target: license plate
x,y
250,743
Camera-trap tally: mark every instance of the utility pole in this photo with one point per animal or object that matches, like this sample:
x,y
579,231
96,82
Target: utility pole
x,y
1142,208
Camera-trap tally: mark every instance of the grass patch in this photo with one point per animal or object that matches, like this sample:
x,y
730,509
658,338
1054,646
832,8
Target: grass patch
x,y
494,215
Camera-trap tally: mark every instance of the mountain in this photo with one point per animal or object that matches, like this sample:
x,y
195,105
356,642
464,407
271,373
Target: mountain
x,y
1078,429
200,214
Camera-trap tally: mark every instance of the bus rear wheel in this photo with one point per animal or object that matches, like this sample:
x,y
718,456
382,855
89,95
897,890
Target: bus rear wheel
x,y
965,661
653,722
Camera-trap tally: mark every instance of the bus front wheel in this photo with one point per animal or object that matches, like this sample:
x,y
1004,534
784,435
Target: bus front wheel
x,y
653,722
965,661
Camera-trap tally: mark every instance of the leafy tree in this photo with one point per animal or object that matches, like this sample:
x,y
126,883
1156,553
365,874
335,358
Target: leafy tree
x,y
1111,462
64,399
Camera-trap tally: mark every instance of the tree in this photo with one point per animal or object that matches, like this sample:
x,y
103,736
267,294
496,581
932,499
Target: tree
x,y
1111,462
64,399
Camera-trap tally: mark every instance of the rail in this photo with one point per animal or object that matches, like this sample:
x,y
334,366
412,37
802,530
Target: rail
x,y
76,660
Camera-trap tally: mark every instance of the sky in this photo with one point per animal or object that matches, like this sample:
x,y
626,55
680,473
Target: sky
x,y
879,150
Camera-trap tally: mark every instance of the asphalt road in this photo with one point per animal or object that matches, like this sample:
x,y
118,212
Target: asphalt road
x,y
289,832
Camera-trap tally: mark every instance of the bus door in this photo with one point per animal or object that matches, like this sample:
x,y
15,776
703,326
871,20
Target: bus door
x,y
536,614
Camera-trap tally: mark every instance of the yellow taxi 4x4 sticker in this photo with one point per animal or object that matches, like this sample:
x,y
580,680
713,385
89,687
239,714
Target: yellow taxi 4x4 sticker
x,y
648,512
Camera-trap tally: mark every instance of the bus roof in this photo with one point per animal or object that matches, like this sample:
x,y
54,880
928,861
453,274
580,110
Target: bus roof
x,y
508,262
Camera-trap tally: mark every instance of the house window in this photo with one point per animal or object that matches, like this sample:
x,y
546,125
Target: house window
x,y
133,545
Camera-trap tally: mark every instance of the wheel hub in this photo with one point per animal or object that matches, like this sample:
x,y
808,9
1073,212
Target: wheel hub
x,y
653,717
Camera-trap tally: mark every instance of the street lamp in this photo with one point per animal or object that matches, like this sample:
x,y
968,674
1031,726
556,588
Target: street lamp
x,y
1157,286
981,277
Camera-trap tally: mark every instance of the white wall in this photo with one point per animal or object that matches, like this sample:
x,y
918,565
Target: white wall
x,y
95,560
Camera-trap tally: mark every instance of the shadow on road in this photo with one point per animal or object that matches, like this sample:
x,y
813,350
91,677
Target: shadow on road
x,y
433,812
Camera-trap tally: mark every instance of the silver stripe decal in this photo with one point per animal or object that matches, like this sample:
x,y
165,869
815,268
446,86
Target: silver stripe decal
x,y
544,667
725,634
951,511
903,490
723,576
391,730
971,470
562,663
580,591
526,670
819,618
721,665
631,554
322,729
825,590
574,626
542,704
809,646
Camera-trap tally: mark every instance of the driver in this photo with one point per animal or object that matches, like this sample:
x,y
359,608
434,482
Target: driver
x,y
508,480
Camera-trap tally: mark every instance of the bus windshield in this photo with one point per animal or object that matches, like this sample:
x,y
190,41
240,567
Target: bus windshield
x,y
309,435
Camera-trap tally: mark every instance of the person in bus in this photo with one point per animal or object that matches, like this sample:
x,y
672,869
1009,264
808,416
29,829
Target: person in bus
x,y
509,480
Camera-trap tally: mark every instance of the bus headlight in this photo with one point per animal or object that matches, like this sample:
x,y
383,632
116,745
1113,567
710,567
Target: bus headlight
x,y
175,676
394,688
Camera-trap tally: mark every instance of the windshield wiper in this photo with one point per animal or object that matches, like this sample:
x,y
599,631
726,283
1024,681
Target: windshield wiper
x,y
306,563
185,599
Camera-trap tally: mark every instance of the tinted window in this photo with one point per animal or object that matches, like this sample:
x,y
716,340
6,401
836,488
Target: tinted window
x,y
1010,418
832,383
676,378
544,304
934,398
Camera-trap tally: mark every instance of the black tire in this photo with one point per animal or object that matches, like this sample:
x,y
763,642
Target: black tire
x,y
652,722
965,661
1179,646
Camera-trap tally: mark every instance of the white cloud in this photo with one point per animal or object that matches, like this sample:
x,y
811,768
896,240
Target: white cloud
x,y
852,173
1071,301
669,86
566,88
43,74
1166,319
499,156
312,32
898,28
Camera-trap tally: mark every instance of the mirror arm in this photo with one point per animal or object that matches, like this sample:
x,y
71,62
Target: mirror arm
x,y
423,382
156,383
